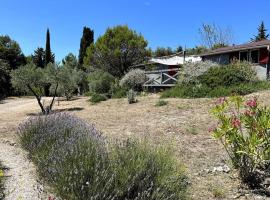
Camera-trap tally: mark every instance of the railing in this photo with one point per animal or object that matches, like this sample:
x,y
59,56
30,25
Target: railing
x,y
162,78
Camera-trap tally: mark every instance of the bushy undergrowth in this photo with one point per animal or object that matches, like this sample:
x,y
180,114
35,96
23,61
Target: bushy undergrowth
x,y
100,82
96,98
134,79
243,129
236,78
199,91
78,164
2,194
161,103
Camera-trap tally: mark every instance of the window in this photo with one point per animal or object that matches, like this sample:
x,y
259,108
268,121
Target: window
x,y
243,56
254,56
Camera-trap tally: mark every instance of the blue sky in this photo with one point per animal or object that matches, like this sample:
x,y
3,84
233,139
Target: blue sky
x,y
162,22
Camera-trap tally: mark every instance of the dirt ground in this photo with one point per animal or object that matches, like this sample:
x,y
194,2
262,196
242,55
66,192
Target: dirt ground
x,y
182,124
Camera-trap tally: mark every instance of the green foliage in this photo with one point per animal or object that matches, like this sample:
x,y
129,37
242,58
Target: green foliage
x,y
96,98
199,91
100,82
49,56
69,79
71,61
31,79
77,163
161,103
39,57
11,57
116,51
2,188
262,34
118,91
86,40
233,74
200,80
131,96
134,79
4,76
243,129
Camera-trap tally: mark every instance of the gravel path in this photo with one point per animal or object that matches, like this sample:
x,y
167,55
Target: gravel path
x,y
21,183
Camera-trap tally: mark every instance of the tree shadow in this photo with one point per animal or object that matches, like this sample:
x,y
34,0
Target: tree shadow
x,y
58,111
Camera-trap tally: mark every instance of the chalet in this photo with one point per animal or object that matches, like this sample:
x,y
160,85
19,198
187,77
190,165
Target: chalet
x,y
256,53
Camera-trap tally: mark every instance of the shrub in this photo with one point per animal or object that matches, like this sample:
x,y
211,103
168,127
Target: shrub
x,y
118,91
191,71
77,163
243,129
100,82
96,98
199,91
131,96
134,79
234,74
161,103
2,194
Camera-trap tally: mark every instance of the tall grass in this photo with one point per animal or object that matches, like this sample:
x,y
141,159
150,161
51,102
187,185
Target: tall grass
x,y
75,160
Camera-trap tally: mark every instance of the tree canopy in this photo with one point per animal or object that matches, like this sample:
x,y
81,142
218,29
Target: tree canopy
x,y
262,33
117,50
86,40
39,57
49,56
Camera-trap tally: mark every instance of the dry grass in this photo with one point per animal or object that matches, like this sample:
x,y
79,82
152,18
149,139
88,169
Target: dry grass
x,y
183,124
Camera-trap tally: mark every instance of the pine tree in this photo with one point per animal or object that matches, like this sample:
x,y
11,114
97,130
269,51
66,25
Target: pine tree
x,y
86,40
39,57
49,56
262,33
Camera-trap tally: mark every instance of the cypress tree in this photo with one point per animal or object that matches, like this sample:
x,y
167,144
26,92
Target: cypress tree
x,y
262,33
49,56
86,40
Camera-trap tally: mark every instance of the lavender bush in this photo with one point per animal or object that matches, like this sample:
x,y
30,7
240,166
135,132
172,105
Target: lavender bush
x,y
75,160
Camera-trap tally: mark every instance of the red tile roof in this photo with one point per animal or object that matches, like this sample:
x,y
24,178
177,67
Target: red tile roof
x,y
252,45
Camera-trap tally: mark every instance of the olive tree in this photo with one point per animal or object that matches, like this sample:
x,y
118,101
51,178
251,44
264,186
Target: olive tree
x,y
30,78
69,79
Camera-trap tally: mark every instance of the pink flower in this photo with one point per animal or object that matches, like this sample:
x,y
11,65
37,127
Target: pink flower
x,y
252,103
236,123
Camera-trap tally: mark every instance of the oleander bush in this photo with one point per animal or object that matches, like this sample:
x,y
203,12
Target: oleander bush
x,y
134,79
74,159
244,130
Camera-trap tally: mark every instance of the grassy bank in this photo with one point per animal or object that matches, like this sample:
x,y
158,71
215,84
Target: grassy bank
x,y
200,91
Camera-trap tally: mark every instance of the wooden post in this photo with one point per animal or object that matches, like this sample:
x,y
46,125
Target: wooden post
x,y
184,55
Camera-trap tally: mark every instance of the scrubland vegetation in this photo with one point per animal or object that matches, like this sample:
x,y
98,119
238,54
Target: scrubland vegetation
x,y
78,163
212,80
2,195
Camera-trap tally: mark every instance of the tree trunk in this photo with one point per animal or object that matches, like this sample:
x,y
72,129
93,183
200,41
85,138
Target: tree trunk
x,y
38,99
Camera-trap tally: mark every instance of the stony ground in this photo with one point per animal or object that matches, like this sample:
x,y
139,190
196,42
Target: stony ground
x,y
182,125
